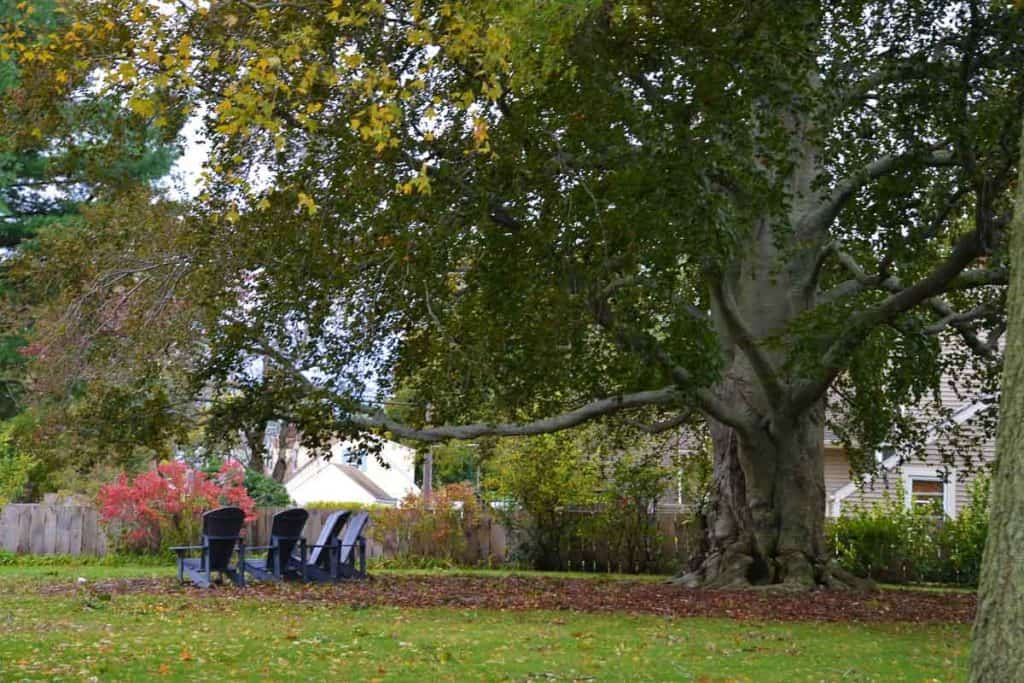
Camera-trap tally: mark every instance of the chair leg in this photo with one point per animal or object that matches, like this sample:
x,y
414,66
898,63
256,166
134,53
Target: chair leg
x,y
241,565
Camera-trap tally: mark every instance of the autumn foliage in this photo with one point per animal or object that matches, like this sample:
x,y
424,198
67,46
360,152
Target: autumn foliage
x,y
162,507
434,532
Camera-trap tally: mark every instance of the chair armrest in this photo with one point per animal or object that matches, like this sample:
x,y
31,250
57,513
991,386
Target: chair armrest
x,y
182,549
322,545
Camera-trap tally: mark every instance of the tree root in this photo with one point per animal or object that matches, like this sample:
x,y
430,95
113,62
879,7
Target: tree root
x,y
791,574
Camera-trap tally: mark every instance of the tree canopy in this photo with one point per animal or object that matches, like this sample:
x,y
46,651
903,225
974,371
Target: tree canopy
x,y
535,214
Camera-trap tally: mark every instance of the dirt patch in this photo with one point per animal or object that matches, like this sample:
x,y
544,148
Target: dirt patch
x,y
517,593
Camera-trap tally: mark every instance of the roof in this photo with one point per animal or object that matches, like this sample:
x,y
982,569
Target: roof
x,y
359,477
353,473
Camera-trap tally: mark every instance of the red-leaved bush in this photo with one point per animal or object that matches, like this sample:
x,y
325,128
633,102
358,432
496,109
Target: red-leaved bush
x,y
163,507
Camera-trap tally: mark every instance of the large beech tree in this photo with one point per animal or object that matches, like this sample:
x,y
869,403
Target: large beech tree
x,y
536,214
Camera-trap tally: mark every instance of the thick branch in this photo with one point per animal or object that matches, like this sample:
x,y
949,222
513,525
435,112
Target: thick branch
x,y
900,301
821,216
373,418
601,407
744,338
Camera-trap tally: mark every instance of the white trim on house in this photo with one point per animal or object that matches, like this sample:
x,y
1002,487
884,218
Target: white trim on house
x,y
835,504
930,473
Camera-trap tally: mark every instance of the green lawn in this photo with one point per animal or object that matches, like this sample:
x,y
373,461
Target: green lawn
x,y
225,635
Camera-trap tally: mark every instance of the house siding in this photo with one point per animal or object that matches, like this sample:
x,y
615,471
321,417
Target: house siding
x,y
887,482
979,448
837,469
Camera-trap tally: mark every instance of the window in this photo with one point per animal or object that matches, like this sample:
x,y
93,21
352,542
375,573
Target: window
x,y
925,492
926,485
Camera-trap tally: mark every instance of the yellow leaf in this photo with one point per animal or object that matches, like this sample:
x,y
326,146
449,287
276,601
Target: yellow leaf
x,y
306,202
142,106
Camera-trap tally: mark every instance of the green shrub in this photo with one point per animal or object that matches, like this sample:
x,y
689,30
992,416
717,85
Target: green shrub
x,y
895,543
266,491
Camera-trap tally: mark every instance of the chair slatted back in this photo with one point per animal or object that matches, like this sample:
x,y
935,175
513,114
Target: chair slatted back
x,y
357,522
285,533
222,530
332,527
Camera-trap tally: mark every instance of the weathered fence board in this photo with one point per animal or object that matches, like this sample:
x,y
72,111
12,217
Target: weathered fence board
x,y
51,529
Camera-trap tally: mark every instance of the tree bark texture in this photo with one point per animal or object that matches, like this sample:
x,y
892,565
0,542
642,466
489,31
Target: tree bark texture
x,y
998,653
766,525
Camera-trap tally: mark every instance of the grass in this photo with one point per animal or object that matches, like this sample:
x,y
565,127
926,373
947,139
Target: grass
x,y
225,635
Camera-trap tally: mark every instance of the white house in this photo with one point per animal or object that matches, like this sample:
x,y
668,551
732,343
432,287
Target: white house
x,y
352,475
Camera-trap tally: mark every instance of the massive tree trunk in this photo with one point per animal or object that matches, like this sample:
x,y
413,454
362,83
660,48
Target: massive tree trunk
x,y
998,653
766,525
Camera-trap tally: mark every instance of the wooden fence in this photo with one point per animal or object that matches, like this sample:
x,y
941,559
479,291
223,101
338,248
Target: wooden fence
x,y
52,530
45,529
49,529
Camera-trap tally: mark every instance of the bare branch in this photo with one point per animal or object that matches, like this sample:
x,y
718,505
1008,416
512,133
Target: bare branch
x,y
980,277
955,318
821,216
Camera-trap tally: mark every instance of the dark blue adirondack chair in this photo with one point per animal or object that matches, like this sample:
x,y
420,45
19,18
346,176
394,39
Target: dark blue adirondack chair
x,y
285,538
222,530
333,556
316,564
348,557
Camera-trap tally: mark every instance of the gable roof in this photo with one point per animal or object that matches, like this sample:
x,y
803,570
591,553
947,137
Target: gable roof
x,y
359,477
356,475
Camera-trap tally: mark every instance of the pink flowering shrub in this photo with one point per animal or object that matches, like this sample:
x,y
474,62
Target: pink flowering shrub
x,y
163,507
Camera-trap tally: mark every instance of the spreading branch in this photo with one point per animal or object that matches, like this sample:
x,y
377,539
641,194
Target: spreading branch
x,y
370,417
822,215
378,419
901,300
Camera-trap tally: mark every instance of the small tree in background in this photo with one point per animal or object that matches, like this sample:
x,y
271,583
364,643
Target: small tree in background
x,y
162,507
